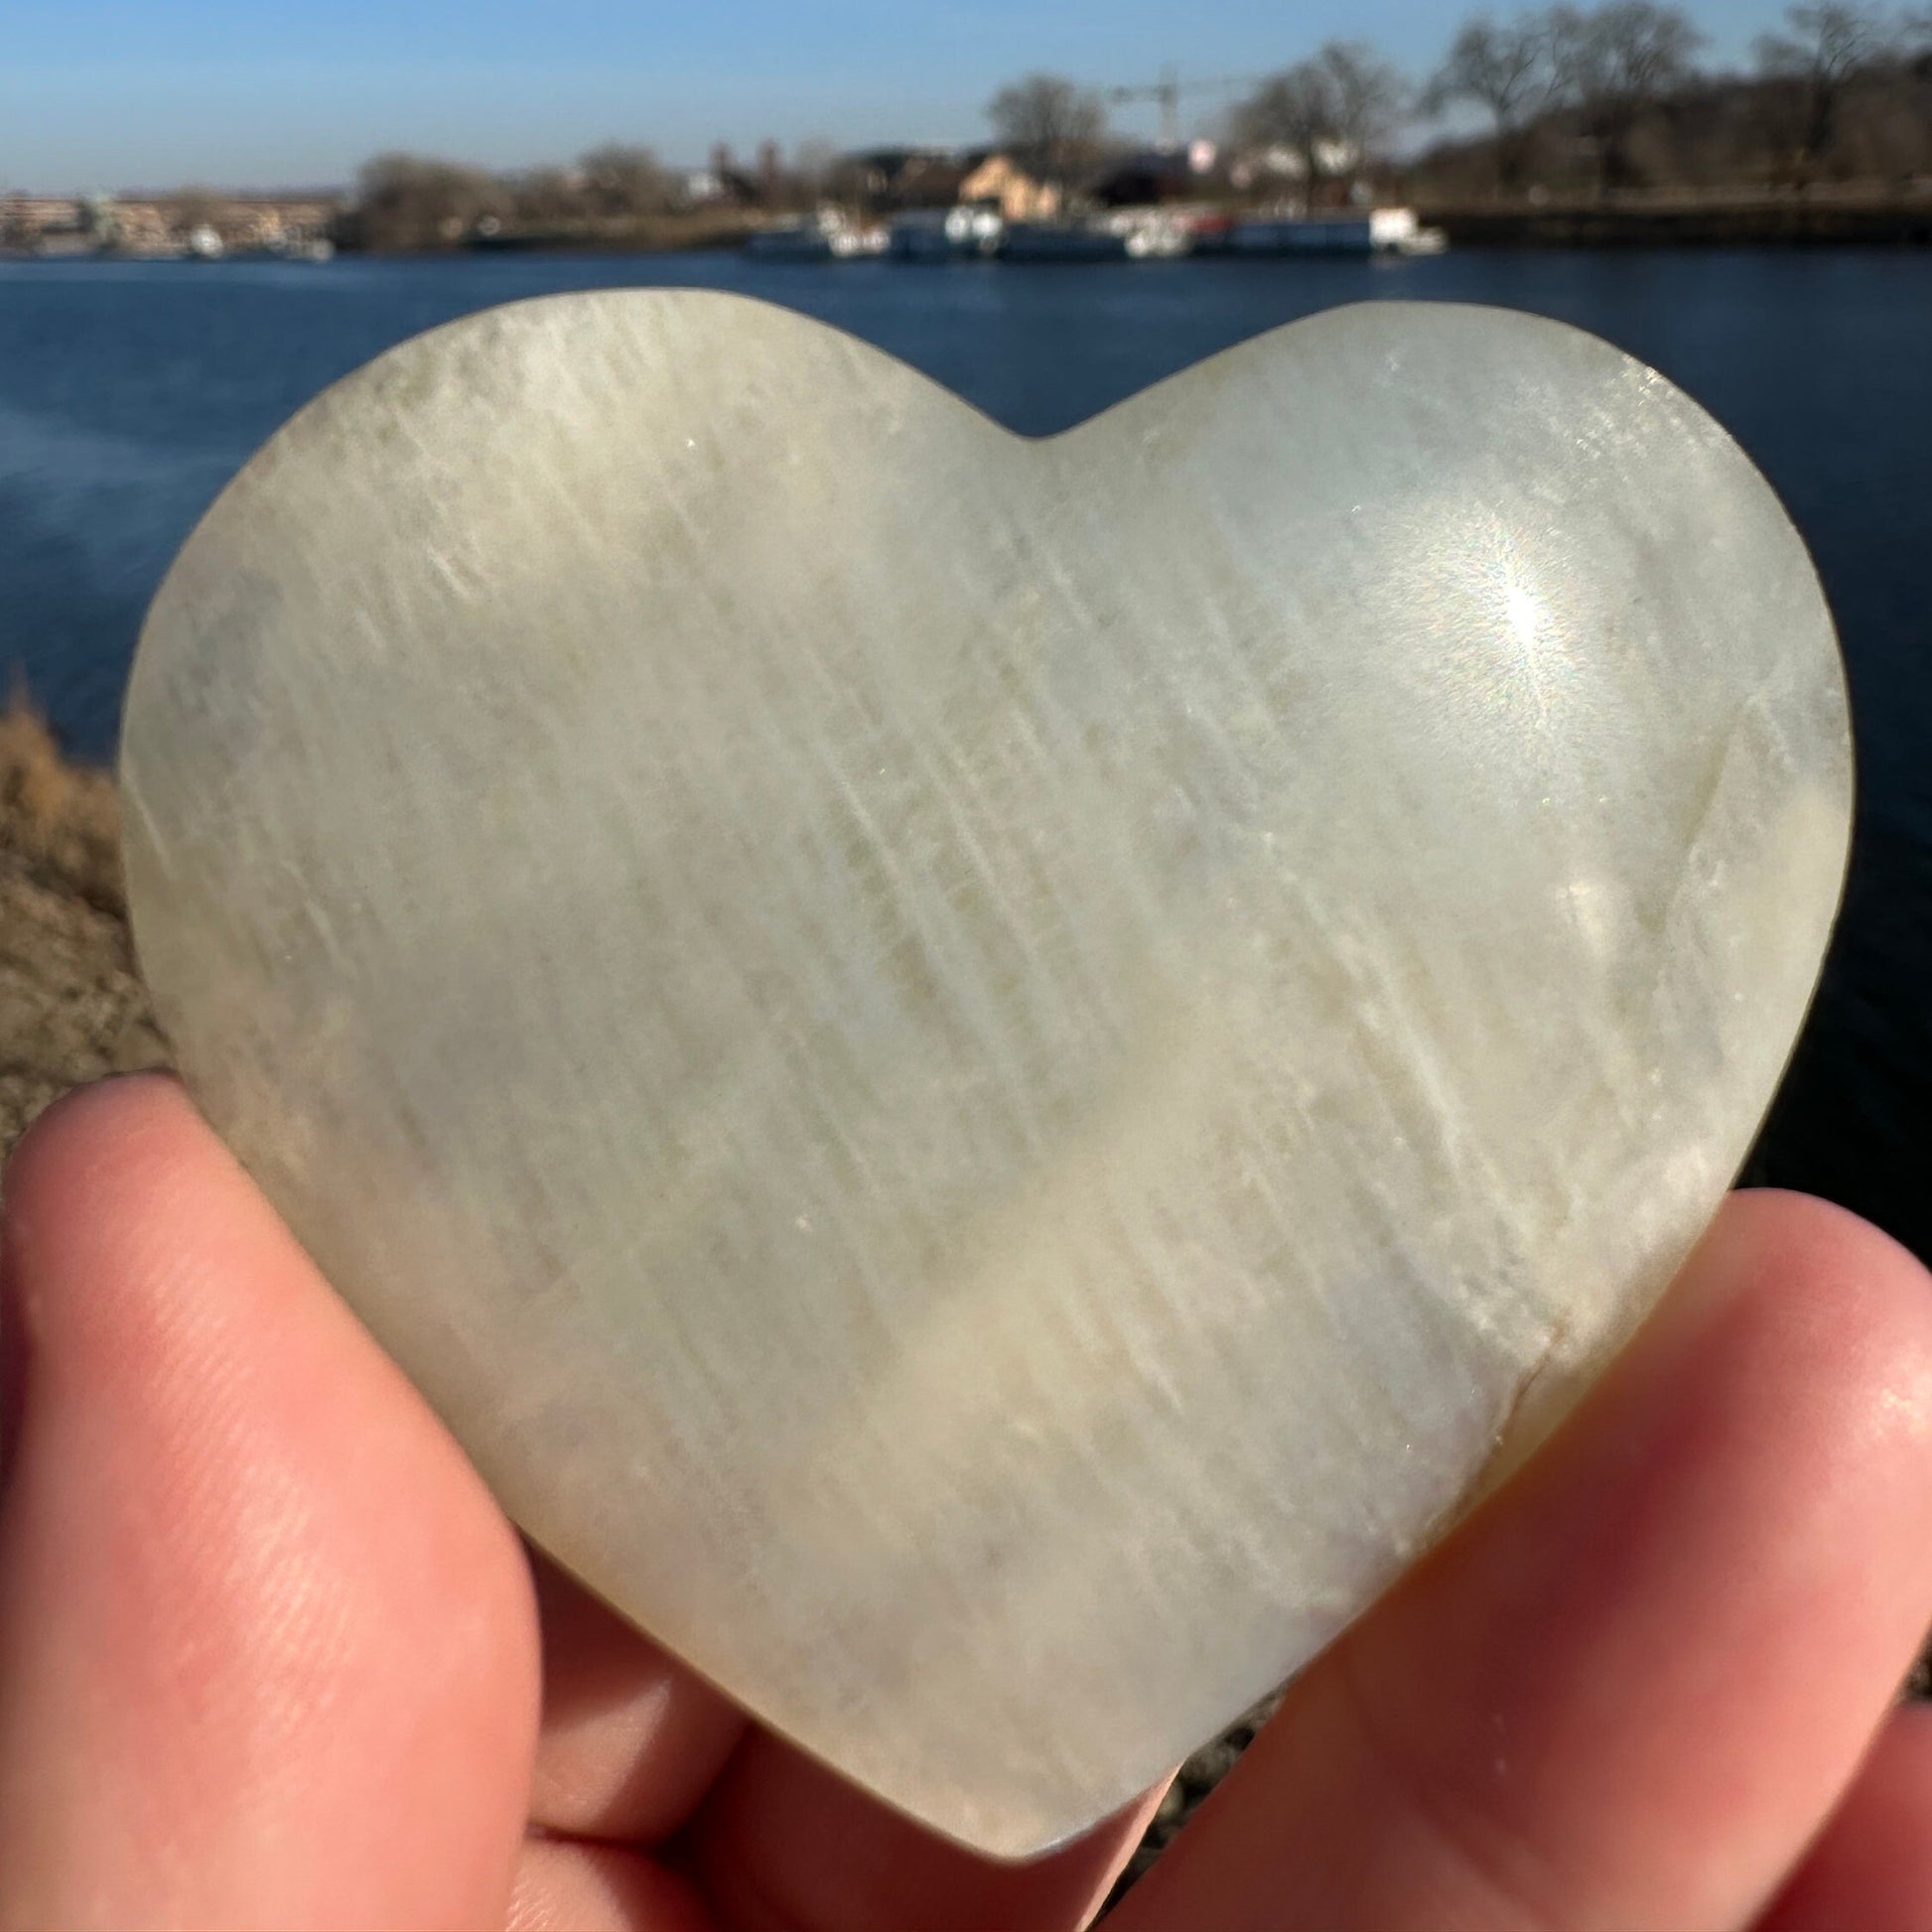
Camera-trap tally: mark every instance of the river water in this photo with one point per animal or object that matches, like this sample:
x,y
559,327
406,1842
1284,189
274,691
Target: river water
x,y
130,392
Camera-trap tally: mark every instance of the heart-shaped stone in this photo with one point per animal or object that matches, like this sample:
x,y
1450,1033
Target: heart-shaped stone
x,y
986,1077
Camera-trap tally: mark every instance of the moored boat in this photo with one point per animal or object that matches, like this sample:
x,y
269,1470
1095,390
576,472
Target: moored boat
x,y
826,236
1348,231
1151,234
963,232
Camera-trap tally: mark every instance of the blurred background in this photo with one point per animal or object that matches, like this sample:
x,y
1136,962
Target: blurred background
x,y
211,210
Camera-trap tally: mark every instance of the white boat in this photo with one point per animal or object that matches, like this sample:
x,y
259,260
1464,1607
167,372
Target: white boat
x,y
206,246
1158,244
1351,231
1151,234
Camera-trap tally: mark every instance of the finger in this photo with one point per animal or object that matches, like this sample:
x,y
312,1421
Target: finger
x,y
786,1846
573,1887
1873,1869
267,1652
630,1739
1631,1687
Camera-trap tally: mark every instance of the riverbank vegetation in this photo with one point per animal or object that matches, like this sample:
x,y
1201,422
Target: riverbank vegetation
x,y
615,196
71,1003
1612,101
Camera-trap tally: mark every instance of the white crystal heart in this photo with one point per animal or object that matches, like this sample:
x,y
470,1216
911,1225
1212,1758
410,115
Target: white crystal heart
x,y
986,1077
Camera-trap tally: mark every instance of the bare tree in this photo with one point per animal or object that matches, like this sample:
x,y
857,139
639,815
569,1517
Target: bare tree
x,y
622,180
405,201
1507,69
1614,65
1367,98
1735,129
1334,112
1050,126
1293,110
1822,57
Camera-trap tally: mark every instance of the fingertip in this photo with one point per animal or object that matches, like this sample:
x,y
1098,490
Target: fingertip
x,y
267,1642
1645,1669
1825,1318
68,1165
68,1142
72,1127
1783,1239
93,1165
1698,1602
146,1270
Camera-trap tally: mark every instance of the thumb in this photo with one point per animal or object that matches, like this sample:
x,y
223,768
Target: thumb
x,y
267,1649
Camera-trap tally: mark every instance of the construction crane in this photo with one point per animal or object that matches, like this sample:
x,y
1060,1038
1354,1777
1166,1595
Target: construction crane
x,y
1169,91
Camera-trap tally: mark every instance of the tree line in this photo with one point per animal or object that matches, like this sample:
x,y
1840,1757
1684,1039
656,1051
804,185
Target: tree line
x,y
1598,99
1613,96
1840,89
616,191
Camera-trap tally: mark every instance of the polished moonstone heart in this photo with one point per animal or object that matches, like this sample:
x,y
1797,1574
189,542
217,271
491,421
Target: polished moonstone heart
x,y
986,1077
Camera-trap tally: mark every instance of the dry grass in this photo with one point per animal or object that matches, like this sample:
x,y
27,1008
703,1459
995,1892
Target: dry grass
x,y
60,819
71,1003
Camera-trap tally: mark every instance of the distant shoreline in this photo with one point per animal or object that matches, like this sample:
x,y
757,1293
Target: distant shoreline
x,y
1767,220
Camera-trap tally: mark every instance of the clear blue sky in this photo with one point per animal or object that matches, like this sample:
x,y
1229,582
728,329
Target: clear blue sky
x,y
115,93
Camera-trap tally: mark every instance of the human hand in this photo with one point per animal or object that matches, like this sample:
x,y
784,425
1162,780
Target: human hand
x,y
271,1657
